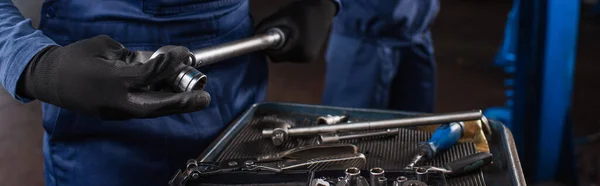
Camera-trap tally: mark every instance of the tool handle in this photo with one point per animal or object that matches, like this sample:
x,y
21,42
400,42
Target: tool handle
x,y
274,38
444,137
382,124
190,78
469,163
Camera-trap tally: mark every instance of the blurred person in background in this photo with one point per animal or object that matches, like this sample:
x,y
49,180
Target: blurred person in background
x,y
380,55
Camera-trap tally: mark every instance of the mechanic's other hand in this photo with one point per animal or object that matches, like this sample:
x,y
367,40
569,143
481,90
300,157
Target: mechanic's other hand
x,y
306,24
101,78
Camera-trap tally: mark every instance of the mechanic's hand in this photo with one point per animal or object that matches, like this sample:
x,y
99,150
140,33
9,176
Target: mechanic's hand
x,y
101,78
306,24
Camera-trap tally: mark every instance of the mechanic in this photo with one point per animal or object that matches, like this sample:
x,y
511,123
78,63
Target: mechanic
x,y
103,126
380,55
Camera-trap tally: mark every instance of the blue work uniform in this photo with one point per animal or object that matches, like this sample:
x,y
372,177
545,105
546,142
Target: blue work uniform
x,y
380,55
506,55
596,9
80,150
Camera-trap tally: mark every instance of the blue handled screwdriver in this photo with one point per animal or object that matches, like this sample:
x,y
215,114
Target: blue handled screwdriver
x,y
444,137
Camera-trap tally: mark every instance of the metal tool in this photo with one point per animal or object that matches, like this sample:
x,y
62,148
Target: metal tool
x,y
442,139
375,174
422,176
311,151
400,180
319,182
475,132
282,134
330,120
381,181
191,79
313,164
353,178
274,122
460,166
334,162
333,138
197,169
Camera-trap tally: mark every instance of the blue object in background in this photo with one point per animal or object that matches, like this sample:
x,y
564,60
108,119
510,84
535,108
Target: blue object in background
x,y
543,83
596,10
506,53
380,55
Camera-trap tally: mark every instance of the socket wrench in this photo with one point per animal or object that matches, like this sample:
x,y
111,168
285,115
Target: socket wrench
x,y
283,133
190,78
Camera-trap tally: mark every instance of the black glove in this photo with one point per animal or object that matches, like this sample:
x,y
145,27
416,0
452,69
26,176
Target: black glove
x,y
306,24
100,78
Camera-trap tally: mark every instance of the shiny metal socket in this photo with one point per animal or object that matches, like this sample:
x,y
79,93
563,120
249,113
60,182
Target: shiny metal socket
x,y
382,181
400,180
353,178
190,79
375,174
422,175
187,79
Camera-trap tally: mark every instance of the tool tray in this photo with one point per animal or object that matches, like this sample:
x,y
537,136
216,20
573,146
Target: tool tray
x,y
242,139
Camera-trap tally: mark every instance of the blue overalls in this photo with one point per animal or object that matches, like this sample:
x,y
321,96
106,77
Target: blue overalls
x,y
380,55
506,55
83,151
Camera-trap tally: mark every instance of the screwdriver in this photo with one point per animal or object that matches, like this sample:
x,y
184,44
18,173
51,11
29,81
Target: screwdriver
x,y
444,137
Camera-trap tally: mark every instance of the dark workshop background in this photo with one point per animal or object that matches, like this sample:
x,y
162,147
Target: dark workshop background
x,y
466,36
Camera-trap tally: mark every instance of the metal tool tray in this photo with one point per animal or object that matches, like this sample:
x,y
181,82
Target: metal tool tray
x,y
505,170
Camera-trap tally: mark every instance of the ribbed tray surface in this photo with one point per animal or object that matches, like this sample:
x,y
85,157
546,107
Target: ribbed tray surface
x,y
388,153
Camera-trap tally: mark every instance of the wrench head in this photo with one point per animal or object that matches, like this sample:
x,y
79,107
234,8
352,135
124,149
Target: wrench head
x,y
279,136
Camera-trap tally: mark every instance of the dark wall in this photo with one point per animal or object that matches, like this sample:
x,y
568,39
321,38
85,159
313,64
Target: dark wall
x,y
21,161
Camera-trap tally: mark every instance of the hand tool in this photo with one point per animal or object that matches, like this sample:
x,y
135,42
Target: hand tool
x,y
333,138
282,134
308,152
475,132
274,122
353,178
442,139
460,166
191,79
381,181
195,169
319,182
313,164
330,120
333,162
375,174
422,176
400,180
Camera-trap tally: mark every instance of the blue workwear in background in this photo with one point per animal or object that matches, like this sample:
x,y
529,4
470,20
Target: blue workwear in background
x,y
596,9
380,55
80,150
506,55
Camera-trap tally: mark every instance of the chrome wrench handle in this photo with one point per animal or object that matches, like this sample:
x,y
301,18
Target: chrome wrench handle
x,y
191,79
